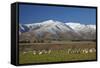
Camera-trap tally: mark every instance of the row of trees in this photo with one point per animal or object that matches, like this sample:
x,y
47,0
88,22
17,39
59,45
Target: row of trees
x,y
34,41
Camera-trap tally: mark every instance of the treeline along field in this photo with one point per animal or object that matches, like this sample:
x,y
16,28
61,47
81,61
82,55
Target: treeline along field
x,y
57,45
56,51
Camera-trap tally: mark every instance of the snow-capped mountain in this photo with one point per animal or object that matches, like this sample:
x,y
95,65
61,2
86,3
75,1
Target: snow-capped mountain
x,y
57,30
53,27
78,26
87,31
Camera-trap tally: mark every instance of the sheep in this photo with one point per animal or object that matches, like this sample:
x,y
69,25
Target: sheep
x,y
92,50
76,51
40,52
85,51
34,52
24,52
49,51
44,51
69,50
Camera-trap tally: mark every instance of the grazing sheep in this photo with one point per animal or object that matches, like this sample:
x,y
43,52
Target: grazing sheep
x,y
24,52
72,51
34,52
44,51
92,50
69,50
85,51
76,51
79,51
40,52
49,51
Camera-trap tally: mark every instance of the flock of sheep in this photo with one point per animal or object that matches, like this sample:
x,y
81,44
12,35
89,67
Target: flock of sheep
x,y
68,51
78,51
39,52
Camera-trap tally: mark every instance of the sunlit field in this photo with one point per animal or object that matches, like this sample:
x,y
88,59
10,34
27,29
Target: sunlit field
x,y
56,51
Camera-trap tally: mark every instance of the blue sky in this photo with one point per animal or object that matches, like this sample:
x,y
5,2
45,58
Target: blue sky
x,y
36,13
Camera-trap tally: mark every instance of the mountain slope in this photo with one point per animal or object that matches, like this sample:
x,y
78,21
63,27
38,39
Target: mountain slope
x,y
87,31
56,30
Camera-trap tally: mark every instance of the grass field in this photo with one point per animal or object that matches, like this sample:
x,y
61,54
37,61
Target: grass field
x,y
58,53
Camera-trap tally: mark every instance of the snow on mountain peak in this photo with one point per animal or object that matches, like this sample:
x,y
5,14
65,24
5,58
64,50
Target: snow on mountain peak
x,y
56,28
53,25
50,22
78,26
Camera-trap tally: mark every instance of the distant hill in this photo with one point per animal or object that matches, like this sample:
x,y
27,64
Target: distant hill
x,y
56,30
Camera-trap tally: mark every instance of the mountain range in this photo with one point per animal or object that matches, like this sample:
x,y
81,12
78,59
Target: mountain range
x,y
56,30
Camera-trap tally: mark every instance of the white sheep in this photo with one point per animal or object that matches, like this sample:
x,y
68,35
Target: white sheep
x,y
34,52
40,52
85,51
44,51
92,50
24,52
68,51
49,51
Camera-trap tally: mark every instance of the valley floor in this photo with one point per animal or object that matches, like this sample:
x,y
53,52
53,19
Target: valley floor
x,y
56,52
